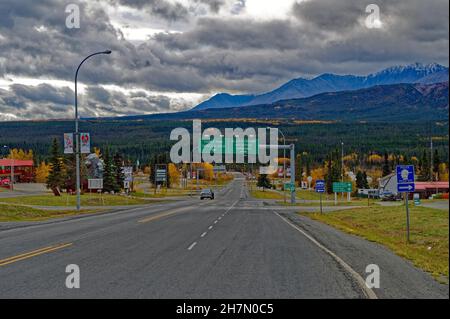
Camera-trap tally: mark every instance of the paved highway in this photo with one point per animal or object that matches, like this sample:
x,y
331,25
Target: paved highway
x,y
232,247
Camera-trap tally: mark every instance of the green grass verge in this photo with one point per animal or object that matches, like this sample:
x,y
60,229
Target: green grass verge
x,y
70,200
300,195
429,247
10,213
267,194
327,204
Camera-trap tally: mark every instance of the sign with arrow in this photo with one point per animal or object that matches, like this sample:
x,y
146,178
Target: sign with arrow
x,y
320,186
405,179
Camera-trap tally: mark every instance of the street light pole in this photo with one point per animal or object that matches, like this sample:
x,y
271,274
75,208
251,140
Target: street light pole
x,y
342,164
342,161
284,163
77,135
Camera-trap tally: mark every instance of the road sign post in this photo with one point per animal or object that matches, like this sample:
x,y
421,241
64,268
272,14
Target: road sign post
x,y
320,188
342,187
406,184
160,174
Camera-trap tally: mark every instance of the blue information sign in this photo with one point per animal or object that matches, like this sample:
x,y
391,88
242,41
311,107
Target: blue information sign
x,y
320,186
405,179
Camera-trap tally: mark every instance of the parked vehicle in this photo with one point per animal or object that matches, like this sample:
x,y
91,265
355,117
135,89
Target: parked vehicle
x,y
388,196
207,193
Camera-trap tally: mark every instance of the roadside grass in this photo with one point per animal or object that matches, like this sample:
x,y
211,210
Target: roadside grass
x,y
161,194
267,194
304,195
324,203
429,247
16,213
70,200
310,195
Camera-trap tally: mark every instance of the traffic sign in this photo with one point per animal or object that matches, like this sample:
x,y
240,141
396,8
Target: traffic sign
x,y
320,186
289,186
161,175
416,199
405,179
95,183
342,187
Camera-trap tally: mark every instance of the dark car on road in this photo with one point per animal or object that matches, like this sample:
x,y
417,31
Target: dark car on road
x,y
207,193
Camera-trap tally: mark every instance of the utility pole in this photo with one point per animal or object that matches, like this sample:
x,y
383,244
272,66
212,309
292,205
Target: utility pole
x,y
342,165
342,161
431,158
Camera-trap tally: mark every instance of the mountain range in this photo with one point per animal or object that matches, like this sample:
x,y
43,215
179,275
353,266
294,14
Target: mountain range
x,y
394,103
327,83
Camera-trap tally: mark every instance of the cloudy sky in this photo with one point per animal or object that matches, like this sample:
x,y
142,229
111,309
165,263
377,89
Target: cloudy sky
x,y
168,55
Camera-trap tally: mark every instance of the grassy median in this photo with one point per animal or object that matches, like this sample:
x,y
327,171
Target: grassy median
x,y
10,213
429,246
70,200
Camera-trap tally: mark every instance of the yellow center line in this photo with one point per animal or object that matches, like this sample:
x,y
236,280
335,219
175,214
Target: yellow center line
x,y
155,217
13,259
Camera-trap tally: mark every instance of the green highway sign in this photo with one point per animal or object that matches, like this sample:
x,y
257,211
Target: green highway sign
x,y
231,146
289,186
342,187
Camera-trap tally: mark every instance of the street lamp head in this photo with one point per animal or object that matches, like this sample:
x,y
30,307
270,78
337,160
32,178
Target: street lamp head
x,y
107,52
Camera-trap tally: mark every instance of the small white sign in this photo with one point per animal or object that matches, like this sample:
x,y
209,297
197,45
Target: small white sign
x,y
128,173
95,183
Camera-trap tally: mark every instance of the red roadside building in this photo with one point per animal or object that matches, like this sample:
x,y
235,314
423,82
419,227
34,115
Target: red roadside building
x,y
22,171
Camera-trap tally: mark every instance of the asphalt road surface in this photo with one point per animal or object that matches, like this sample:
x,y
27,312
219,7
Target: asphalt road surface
x,y
232,247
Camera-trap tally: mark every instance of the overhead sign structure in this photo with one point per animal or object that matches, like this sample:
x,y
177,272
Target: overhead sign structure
x,y
405,179
342,187
95,183
230,146
320,186
85,143
68,143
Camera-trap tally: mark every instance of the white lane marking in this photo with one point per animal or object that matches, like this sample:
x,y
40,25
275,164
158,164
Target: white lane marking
x,y
210,227
360,280
220,218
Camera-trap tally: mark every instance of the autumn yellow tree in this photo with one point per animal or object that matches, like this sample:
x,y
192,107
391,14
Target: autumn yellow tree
x,y
42,172
174,175
20,154
208,171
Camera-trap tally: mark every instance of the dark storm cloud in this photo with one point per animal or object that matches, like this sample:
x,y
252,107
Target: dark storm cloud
x,y
214,5
161,8
214,53
46,101
238,34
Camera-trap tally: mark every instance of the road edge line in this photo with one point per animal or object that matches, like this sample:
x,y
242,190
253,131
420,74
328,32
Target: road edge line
x,y
369,293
